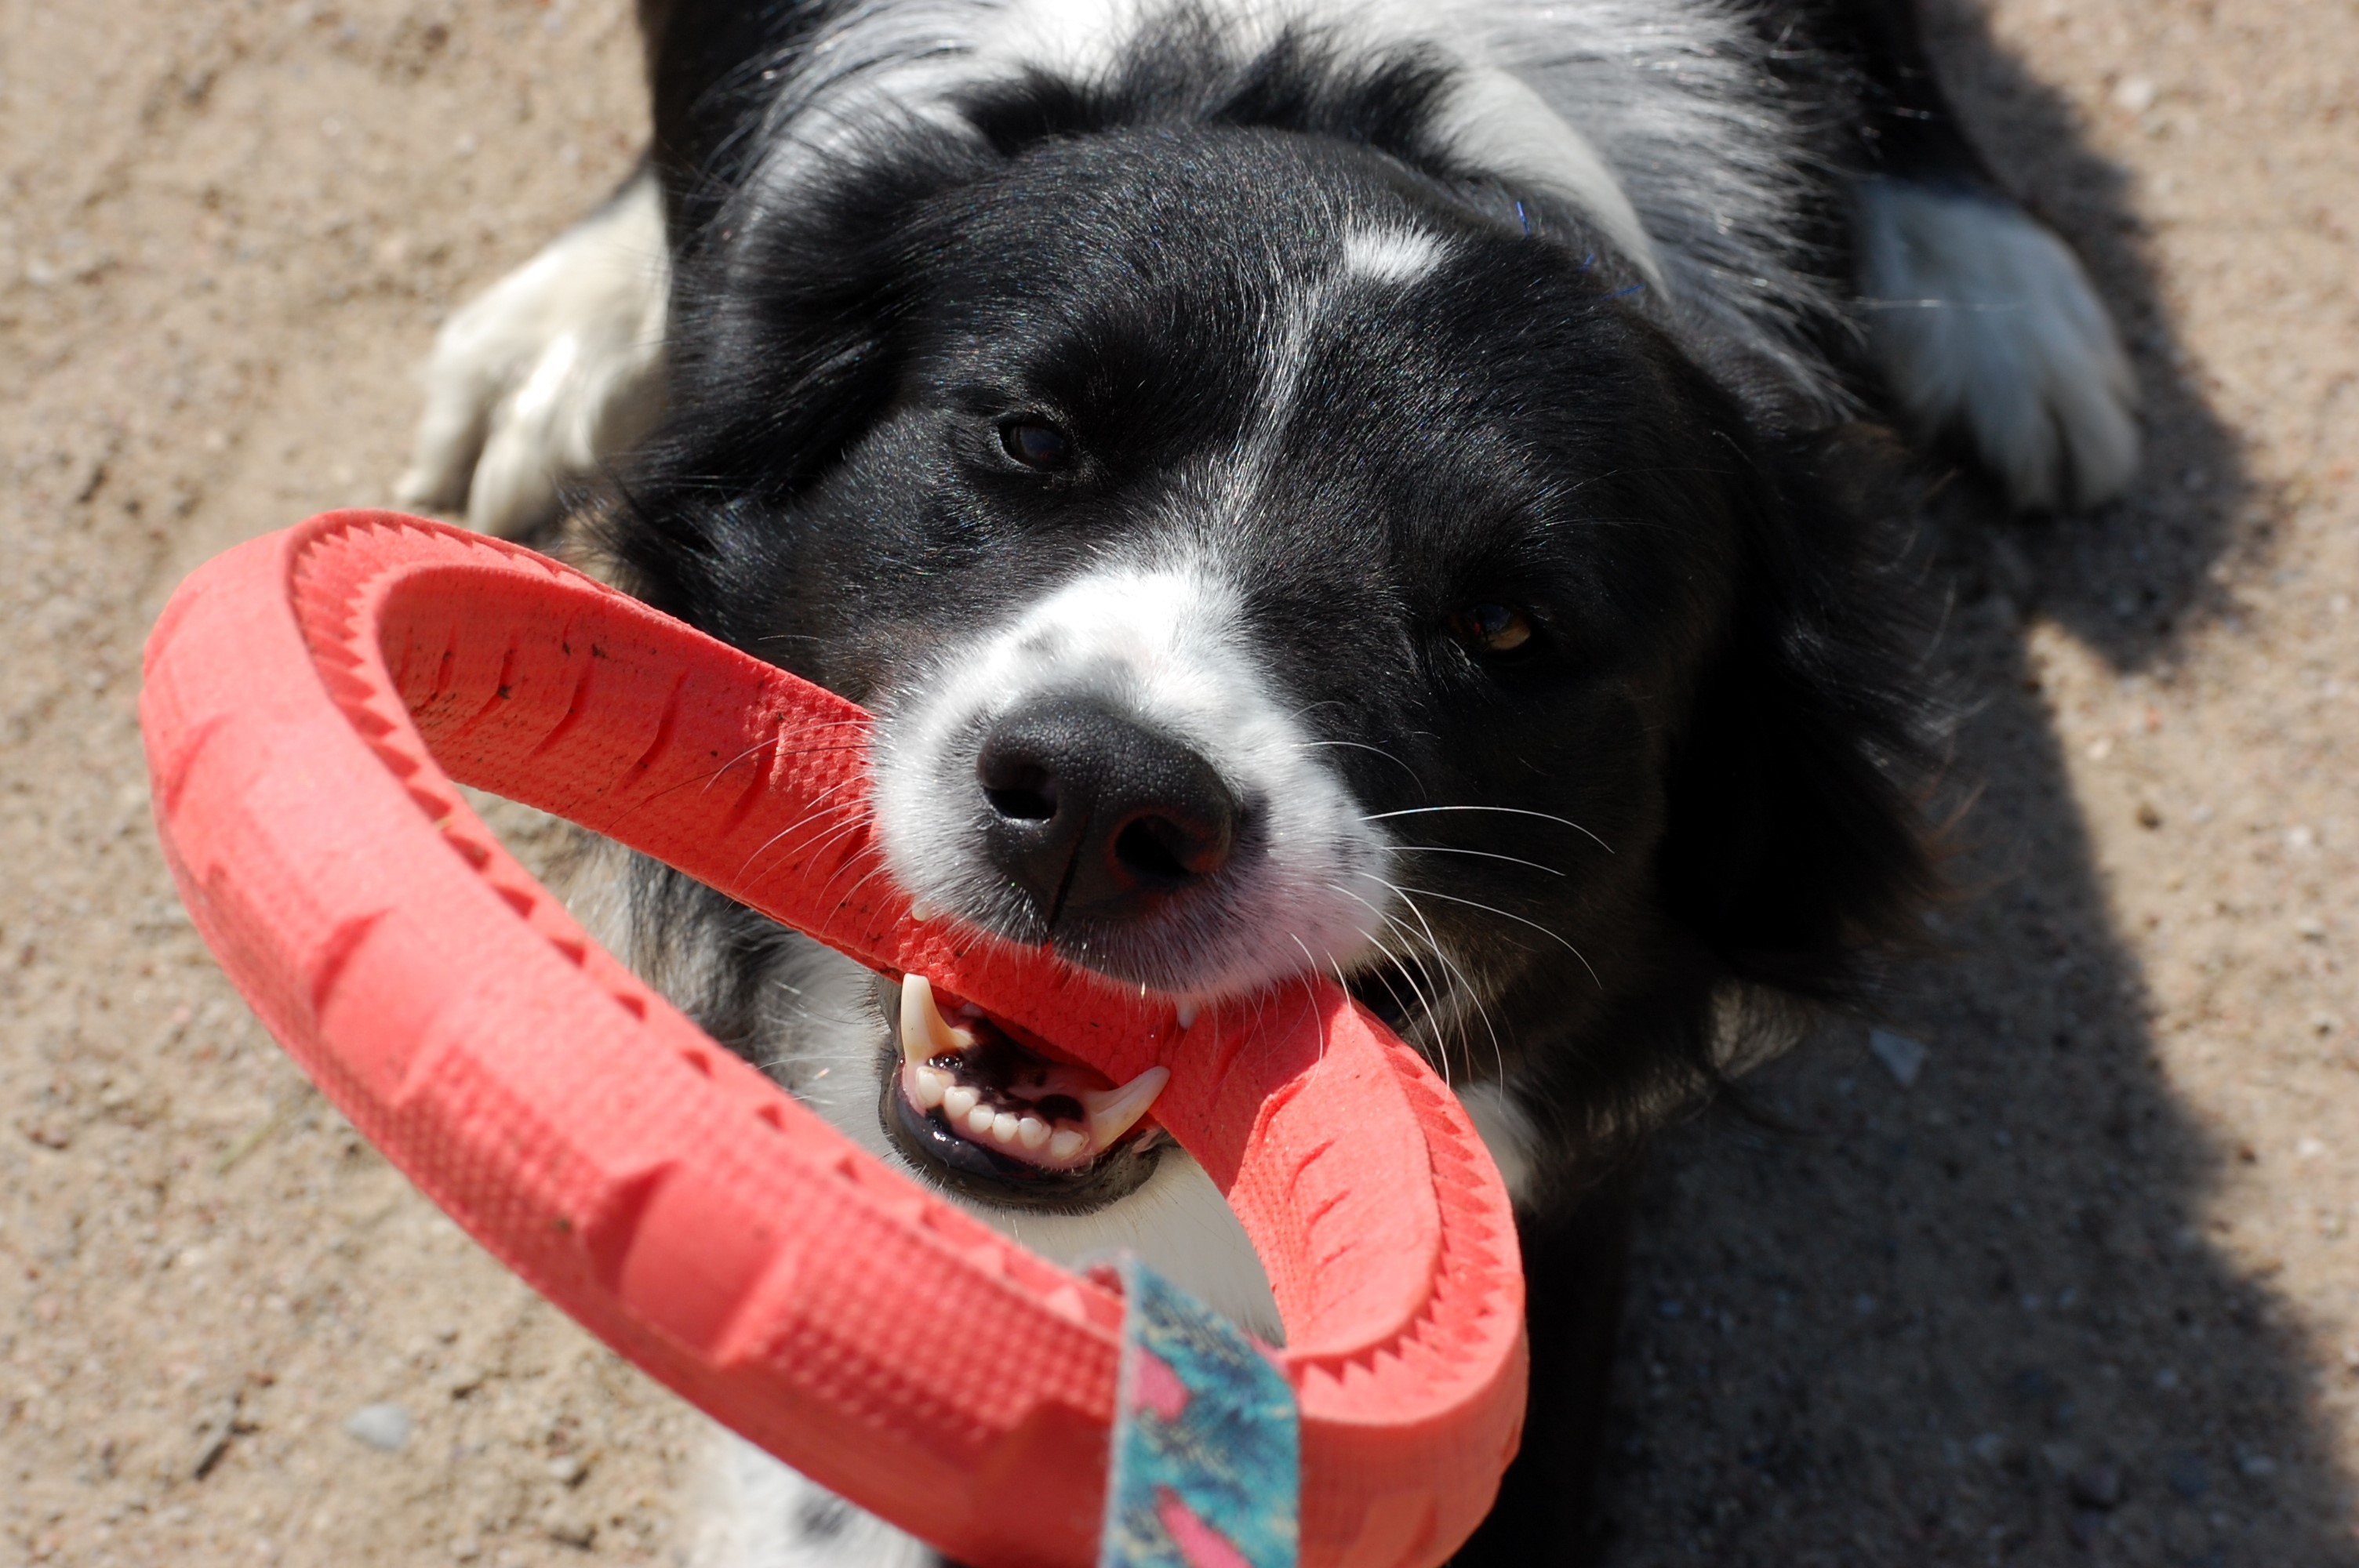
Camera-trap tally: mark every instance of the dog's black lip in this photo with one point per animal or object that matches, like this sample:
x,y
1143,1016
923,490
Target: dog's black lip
x,y
973,1171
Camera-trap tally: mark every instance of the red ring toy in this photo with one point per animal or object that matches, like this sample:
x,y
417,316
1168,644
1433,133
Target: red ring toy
x,y
305,694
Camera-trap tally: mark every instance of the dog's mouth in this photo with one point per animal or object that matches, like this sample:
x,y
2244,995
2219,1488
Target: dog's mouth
x,y
984,1114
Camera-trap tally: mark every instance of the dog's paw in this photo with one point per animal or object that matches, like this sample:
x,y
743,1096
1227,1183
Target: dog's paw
x,y
1983,325
557,367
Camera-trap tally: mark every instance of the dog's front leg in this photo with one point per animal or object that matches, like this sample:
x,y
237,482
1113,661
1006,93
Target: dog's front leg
x,y
556,368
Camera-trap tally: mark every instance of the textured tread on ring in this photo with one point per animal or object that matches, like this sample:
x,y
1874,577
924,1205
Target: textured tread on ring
x,y
310,698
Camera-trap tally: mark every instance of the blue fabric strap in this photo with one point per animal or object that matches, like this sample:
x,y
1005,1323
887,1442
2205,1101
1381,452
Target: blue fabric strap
x,y
1207,1454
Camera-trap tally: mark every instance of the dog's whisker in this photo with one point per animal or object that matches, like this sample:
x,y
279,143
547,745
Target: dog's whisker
x,y
1399,963
1507,915
809,819
1309,990
1479,854
1459,986
1502,810
1364,746
1457,983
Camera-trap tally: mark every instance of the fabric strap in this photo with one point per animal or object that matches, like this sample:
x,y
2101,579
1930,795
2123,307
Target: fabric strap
x,y
1207,1455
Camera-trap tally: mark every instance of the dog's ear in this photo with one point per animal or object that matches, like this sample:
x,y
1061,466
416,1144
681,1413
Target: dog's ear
x,y
1796,844
786,344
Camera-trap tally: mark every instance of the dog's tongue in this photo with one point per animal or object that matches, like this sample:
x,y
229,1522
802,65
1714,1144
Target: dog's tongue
x,y
992,1092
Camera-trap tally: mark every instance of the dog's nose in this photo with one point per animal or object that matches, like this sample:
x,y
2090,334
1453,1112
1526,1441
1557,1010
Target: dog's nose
x,y
1096,816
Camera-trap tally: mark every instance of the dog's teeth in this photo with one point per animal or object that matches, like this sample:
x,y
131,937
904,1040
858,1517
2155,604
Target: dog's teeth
x,y
922,910
1114,1112
1187,1015
1032,1131
1066,1142
1003,1126
959,1099
927,1087
979,1121
925,1032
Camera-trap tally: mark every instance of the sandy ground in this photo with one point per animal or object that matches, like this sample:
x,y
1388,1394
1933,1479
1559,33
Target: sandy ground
x,y
2084,1291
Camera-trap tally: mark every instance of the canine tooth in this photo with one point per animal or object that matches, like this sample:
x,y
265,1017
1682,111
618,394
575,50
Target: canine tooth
x,y
928,1086
979,1121
925,1032
1187,1015
1066,1142
1114,1112
922,910
958,1099
1003,1126
1031,1130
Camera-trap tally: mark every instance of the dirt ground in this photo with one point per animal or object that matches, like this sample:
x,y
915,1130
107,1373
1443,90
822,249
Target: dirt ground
x,y
2085,1290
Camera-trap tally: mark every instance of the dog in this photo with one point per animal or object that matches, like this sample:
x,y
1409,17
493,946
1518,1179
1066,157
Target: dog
x,y
1364,488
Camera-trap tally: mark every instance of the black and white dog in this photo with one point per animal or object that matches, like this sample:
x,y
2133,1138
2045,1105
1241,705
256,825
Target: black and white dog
x,y
1304,485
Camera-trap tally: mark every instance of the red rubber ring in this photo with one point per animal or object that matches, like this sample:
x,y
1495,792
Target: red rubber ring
x,y
305,694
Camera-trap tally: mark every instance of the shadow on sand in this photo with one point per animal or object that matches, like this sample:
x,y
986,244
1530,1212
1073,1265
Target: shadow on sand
x,y
1979,1320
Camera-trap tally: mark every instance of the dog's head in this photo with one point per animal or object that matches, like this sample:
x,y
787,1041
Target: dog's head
x,y
1264,556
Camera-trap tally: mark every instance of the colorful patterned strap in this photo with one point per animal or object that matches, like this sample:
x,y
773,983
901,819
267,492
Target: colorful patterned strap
x,y
1207,1454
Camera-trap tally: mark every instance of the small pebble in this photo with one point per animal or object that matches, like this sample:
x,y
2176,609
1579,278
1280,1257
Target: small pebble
x,y
567,1470
570,1530
1902,1057
384,1427
2097,1486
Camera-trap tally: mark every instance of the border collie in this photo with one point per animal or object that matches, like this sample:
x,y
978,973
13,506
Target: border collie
x,y
1365,488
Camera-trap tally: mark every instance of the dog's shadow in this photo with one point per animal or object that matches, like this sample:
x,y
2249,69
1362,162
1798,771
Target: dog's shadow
x,y
1981,1318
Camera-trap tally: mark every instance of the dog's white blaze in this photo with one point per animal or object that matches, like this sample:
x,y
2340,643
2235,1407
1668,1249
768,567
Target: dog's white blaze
x,y
1391,254
1162,644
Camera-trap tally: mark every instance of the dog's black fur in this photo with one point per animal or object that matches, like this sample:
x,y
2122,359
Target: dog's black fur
x,y
1719,693
1695,777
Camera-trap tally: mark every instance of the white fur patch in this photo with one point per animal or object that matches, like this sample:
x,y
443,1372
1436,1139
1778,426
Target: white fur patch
x,y
1500,123
1391,254
1160,643
556,366
751,1511
1982,321
1508,1132
1661,120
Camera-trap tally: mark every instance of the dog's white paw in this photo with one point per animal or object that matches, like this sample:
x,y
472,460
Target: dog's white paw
x,y
557,367
756,1513
1983,322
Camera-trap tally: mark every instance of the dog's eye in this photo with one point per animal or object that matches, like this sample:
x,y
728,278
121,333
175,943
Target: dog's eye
x,y
1036,444
1491,628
